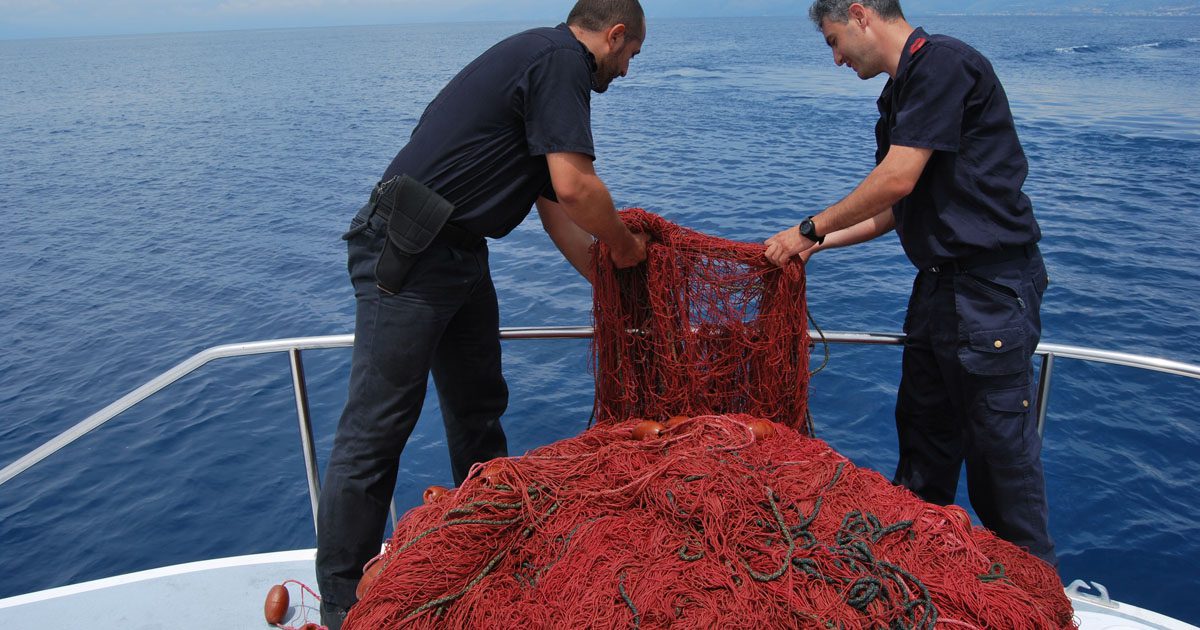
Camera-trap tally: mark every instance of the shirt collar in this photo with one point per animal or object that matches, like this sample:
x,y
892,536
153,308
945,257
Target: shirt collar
x,y
591,59
916,41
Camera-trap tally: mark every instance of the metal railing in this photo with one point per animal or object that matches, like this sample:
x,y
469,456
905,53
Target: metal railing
x,y
295,346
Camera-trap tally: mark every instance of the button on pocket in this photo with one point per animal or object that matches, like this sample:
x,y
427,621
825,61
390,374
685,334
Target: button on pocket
x,y
994,352
1007,429
1009,400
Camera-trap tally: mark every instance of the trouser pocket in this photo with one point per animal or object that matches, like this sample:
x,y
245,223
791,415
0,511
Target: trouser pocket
x,y
392,267
993,325
415,216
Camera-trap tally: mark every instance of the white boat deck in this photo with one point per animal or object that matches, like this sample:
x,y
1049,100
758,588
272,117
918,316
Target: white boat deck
x,y
229,594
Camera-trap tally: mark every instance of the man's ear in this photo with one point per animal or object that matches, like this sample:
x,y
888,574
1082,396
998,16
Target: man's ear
x,y
616,36
857,14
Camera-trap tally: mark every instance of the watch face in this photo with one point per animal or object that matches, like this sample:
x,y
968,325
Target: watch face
x,y
806,228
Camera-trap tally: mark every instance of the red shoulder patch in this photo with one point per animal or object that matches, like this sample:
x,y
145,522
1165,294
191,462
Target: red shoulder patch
x,y
912,50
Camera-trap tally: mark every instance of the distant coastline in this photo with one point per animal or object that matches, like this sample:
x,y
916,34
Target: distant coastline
x,y
1181,12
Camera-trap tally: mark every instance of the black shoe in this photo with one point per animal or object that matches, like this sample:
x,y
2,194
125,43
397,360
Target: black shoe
x,y
332,616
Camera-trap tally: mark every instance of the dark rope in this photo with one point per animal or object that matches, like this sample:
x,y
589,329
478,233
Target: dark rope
x,y
450,598
637,618
685,556
998,573
469,508
787,534
511,521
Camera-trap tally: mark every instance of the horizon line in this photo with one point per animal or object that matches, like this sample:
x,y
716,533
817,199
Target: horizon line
x,y
432,22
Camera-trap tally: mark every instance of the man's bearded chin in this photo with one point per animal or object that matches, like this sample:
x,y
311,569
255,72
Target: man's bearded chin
x,y
600,83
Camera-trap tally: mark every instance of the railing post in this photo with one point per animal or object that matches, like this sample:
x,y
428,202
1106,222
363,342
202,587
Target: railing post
x,y
1043,395
300,387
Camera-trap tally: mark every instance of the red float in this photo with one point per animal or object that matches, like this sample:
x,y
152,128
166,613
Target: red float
x,y
275,608
648,430
675,421
370,573
761,428
434,493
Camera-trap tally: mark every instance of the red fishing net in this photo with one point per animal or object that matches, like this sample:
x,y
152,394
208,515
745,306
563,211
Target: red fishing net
x,y
715,519
704,526
706,326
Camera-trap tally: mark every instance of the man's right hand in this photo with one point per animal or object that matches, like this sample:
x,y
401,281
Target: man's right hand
x,y
786,244
632,254
586,201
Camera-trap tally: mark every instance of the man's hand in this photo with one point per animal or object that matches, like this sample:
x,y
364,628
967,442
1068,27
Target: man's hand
x,y
786,244
631,255
587,203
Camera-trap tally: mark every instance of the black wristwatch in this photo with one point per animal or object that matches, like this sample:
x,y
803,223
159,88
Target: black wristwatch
x,y
808,230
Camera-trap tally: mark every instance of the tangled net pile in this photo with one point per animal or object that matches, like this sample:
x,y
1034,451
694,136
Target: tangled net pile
x,y
712,519
706,326
705,526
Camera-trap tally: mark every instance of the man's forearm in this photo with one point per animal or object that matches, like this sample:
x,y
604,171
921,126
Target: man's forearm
x,y
889,182
590,206
880,190
862,231
586,200
573,241
864,214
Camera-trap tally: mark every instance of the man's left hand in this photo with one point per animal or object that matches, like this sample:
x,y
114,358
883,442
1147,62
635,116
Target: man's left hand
x,y
784,245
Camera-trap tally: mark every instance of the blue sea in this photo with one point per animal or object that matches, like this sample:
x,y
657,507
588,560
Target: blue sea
x,y
162,194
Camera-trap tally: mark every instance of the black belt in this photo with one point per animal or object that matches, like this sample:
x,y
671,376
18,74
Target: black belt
x,y
967,263
450,233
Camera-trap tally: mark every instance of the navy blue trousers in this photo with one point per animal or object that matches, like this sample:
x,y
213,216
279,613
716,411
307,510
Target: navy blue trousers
x,y
966,394
444,320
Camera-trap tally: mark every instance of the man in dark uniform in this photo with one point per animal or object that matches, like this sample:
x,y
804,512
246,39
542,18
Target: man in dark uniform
x,y
948,180
511,129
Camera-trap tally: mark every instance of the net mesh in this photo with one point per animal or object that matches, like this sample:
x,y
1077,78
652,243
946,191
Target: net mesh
x,y
706,326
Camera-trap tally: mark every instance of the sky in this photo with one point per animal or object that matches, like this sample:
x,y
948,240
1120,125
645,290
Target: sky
x,y
68,18
21,19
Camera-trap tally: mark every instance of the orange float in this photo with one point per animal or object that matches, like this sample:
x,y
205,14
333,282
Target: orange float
x,y
648,430
370,573
675,421
434,493
959,515
275,608
492,475
762,428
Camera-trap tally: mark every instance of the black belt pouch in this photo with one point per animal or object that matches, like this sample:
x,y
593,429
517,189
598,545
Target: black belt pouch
x,y
415,216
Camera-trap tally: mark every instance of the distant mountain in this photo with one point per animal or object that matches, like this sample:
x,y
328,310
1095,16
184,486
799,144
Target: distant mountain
x,y
929,7
1056,7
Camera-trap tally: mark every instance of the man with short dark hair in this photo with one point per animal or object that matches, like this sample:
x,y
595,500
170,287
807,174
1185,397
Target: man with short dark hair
x,y
511,129
948,179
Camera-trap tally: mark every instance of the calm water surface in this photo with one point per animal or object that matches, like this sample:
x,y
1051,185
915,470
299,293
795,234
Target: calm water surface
x,y
163,194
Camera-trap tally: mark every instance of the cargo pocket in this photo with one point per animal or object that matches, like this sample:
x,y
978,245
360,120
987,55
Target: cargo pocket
x,y
993,329
1005,425
415,216
994,352
1013,400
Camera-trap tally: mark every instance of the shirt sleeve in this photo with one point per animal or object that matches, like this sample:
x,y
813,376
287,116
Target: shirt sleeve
x,y
558,106
931,103
548,192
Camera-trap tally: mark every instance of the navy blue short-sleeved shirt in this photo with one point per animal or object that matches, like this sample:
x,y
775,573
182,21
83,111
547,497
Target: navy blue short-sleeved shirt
x,y
482,142
946,97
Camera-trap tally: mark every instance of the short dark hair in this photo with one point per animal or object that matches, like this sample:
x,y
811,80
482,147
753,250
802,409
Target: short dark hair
x,y
838,11
599,15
